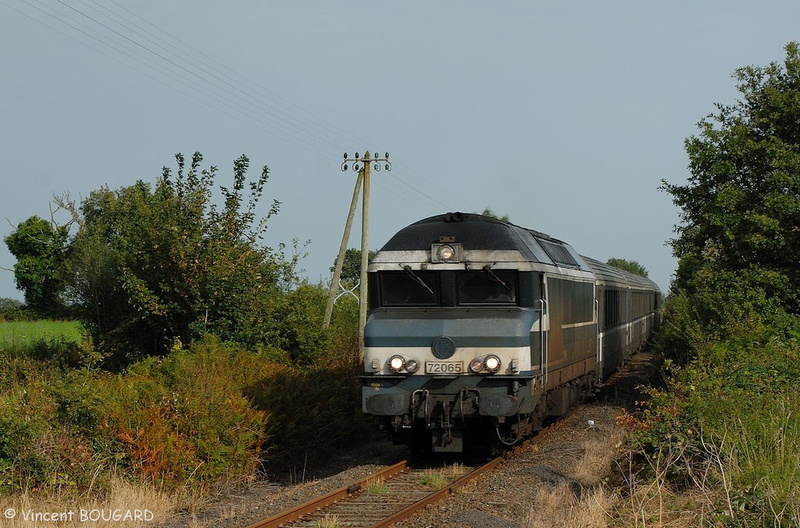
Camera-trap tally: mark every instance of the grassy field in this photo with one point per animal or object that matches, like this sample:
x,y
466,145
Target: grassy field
x,y
18,334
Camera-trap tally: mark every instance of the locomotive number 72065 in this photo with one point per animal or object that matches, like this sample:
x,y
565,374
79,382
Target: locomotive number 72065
x,y
444,367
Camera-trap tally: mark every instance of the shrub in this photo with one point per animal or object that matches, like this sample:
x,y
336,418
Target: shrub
x,y
730,427
35,449
312,411
14,310
184,417
208,412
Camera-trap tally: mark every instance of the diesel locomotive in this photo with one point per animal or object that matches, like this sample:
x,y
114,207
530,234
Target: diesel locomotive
x,y
479,331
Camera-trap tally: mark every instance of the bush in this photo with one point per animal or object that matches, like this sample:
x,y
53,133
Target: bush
x,y
152,265
183,418
13,310
205,413
35,449
312,411
730,427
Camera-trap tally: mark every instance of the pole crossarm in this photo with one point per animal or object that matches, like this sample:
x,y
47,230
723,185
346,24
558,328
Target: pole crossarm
x,y
360,161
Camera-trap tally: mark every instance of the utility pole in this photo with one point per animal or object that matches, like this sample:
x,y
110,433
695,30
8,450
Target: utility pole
x,y
362,165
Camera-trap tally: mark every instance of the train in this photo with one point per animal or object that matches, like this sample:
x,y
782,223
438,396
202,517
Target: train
x,y
480,332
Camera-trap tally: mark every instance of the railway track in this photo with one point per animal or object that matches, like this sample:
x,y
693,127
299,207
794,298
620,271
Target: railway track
x,y
379,500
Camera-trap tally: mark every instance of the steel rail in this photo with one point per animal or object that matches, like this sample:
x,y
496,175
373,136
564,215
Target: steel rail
x,y
437,495
326,500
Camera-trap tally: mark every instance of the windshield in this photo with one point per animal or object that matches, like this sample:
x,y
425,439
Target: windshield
x,y
448,288
410,288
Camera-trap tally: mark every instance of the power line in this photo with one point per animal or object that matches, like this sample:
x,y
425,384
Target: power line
x,y
243,101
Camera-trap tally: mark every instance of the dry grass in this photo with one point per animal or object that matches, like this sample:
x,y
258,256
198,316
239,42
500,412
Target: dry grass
x,y
598,457
455,471
559,507
329,521
651,505
594,506
641,505
125,505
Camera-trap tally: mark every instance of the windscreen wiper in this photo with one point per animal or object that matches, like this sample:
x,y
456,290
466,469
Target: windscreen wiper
x,y
416,279
488,269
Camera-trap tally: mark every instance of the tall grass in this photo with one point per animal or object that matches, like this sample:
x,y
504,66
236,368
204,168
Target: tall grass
x,y
742,471
760,452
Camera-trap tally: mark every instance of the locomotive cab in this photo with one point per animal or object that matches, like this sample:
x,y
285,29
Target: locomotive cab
x,y
447,347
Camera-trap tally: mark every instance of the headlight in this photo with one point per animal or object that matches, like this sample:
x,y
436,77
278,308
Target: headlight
x,y
445,253
396,363
476,365
492,363
486,365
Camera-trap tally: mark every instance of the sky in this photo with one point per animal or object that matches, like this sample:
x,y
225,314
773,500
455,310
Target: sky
x,y
565,116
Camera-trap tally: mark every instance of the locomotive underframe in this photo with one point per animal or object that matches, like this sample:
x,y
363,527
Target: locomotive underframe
x,y
434,413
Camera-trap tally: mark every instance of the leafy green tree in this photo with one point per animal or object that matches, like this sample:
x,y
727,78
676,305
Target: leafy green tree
x,y
40,248
628,265
12,310
154,267
740,208
351,266
732,316
489,212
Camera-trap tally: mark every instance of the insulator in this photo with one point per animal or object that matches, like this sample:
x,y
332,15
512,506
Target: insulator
x,y
377,167
386,155
388,167
356,167
345,155
357,156
344,167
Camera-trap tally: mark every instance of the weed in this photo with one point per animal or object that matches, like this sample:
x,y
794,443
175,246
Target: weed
x,y
376,487
434,478
329,521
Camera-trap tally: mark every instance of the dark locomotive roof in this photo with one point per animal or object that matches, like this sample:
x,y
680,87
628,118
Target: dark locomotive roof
x,y
479,232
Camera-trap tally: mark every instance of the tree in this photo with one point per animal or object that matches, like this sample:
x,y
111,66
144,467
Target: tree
x,y
740,209
152,267
628,265
40,248
490,213
351,266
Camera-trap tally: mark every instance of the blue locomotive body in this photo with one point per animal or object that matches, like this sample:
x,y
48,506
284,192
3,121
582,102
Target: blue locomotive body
x,y
479,330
